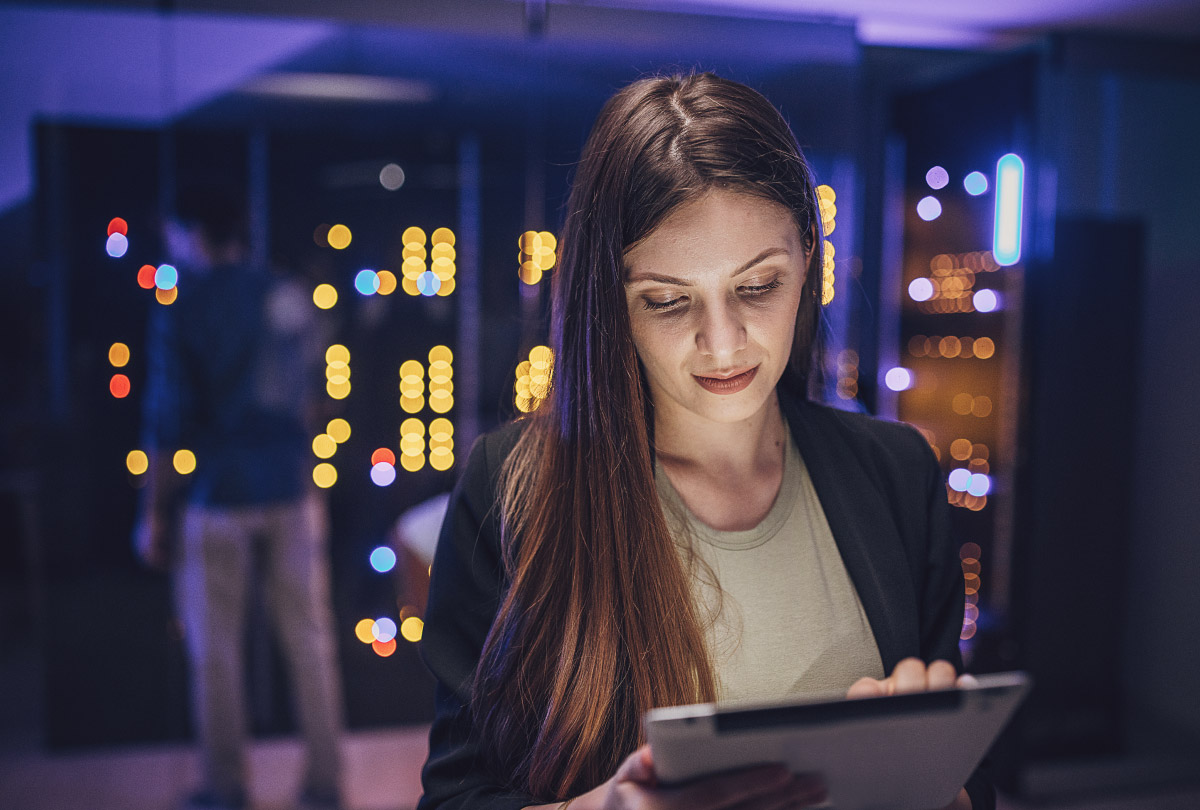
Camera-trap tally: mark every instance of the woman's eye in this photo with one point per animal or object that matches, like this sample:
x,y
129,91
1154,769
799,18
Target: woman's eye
x,y
661,305
759,289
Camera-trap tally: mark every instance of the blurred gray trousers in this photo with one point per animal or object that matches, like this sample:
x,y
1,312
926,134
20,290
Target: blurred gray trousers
x,y
212,587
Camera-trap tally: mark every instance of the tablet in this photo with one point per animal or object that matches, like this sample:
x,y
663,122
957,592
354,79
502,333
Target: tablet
x,y
901,752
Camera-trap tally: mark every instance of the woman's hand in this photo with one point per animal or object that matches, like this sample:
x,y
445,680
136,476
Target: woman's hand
x,y
768,787
911,675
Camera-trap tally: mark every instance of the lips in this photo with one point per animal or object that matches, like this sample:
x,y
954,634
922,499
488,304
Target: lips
x,y
727,385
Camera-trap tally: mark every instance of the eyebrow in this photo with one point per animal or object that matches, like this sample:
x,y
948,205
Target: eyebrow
x,y
679,282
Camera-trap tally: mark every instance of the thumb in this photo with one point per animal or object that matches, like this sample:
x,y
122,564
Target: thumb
x,y
638,767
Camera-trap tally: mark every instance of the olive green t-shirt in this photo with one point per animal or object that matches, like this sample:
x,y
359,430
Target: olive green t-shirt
x,y
783,618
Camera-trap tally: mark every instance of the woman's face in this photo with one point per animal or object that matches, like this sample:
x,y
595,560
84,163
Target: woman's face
x,y
713,294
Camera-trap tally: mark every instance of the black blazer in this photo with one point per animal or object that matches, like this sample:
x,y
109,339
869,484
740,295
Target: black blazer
x,y
884,496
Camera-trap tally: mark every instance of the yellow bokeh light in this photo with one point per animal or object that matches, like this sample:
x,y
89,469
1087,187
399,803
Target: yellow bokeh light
x,y
984,348
949,347
137,462
441,462
324,446
962,403
442,251
960,449
411,628
825,192
441,401
118,355
413,266
362,630
387,282
981,406
412,404
446,288
413,237
166,297
412,463
324,475
529,242
412,445
529,273
337,372
184,462
441,429
338,390
325,296
442,236
411,426
338,430
409,286
441,354
337,353
413,370
339,237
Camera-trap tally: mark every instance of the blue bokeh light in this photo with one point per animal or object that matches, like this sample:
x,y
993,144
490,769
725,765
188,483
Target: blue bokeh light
x,y
116,245
979,485
384,629
929,209
898,379
920,289
959,479
383,559
428,283
975,183
367,282
985,301
1010,193
383,474
166,277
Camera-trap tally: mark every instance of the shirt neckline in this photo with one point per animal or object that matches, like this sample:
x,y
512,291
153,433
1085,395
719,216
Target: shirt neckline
x,y
744,540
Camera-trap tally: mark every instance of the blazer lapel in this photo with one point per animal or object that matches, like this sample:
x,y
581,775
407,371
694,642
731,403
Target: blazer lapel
x,y
857,512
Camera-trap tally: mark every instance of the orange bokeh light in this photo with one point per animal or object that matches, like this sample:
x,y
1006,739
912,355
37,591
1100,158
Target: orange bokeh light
x,y
119,386
383,454
118,225
384,648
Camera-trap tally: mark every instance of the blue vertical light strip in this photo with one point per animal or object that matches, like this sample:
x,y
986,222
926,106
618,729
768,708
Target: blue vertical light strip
x,y
1010,192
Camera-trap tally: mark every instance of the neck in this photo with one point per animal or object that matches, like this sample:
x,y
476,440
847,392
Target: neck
x,y
683,440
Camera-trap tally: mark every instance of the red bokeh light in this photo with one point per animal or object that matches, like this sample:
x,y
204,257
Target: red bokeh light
x,y
118,225
384,648
119,386
383,454
145,277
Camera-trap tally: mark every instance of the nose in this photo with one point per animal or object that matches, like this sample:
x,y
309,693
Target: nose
x,y
721,333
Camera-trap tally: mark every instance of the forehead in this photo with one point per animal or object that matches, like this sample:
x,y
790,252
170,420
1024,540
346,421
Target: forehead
x,y
718,231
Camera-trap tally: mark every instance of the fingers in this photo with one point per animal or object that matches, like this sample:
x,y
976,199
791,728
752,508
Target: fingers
x,y
940,675
910,675
867,687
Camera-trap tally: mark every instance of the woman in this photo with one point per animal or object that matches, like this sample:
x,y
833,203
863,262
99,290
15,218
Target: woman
x,y
677,523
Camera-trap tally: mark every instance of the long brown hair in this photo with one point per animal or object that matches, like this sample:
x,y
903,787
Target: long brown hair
x,y
597,624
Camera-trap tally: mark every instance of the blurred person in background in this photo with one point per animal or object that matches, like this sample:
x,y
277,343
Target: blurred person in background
x,y
233,366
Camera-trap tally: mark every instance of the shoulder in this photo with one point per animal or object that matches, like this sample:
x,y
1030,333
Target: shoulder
x,y
490,450
871,439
